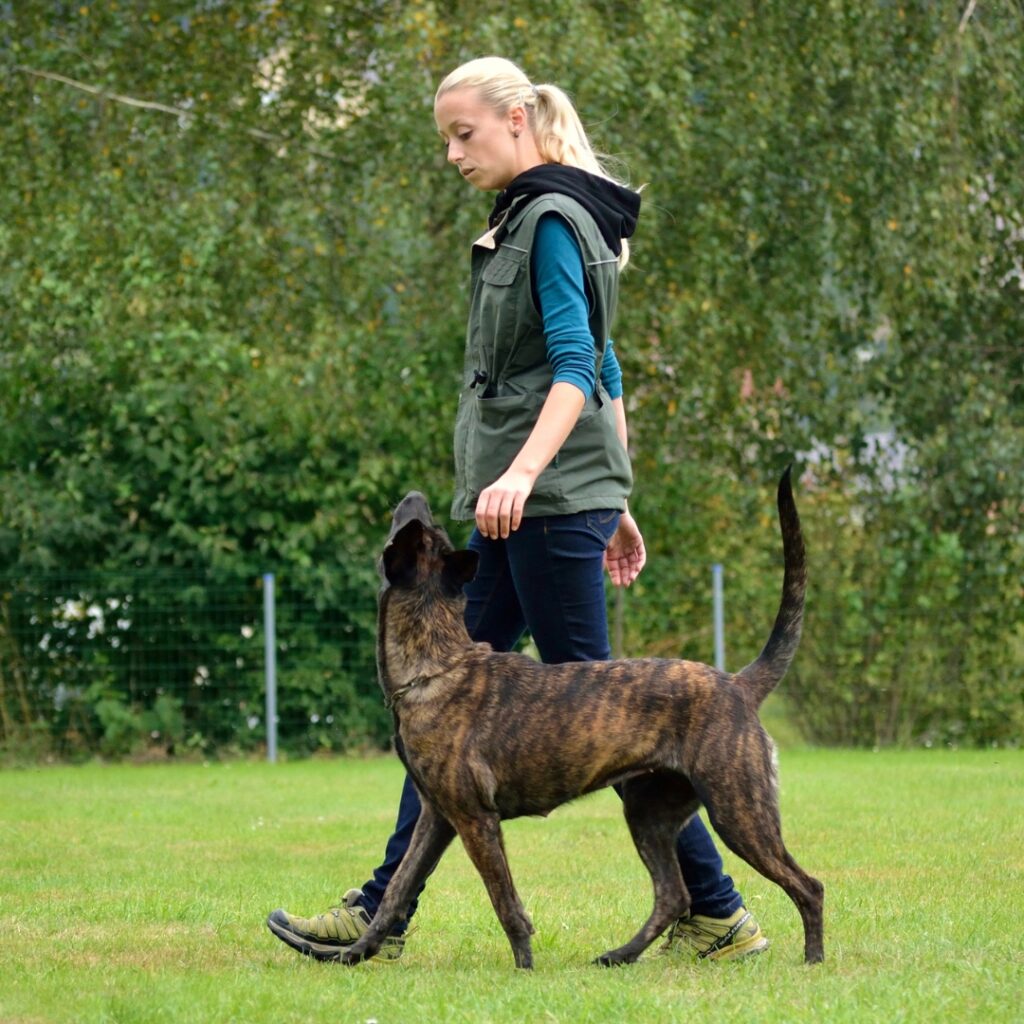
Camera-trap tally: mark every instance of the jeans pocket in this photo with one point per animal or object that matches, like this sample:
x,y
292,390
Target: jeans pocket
x,y
603,523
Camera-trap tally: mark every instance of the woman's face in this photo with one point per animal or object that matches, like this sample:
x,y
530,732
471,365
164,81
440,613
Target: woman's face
x,y
482,143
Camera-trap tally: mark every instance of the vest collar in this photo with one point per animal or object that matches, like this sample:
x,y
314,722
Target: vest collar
x,y
488,240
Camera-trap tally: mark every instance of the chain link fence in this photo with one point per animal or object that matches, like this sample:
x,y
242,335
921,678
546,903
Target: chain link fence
x,y
174,663
164,662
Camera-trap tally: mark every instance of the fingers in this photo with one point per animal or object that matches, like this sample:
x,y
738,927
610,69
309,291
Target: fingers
x,y
624,566
617,571
618,576
499,511
626,574
626,555
639,559
622,576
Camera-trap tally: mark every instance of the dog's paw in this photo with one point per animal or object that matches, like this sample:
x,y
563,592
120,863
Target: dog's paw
x,y
612,959
352,956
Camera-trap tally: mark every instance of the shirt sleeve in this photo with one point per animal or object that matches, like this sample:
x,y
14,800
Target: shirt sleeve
x,y
556,264
611,372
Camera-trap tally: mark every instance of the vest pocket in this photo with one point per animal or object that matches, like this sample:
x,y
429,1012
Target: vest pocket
x,y
500,430
593,458
501,270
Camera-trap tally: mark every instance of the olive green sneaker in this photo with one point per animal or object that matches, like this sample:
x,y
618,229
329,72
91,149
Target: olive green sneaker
x,y
326,936
716,938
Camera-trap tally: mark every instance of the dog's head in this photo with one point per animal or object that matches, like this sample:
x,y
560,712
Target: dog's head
x,y
419,554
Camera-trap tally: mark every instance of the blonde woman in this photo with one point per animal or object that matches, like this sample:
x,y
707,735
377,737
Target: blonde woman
x,y
541,464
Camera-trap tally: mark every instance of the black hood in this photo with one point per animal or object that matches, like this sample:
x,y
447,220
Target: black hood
x,y
614,208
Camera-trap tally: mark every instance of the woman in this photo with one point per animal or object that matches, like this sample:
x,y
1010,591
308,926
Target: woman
x,y
540,441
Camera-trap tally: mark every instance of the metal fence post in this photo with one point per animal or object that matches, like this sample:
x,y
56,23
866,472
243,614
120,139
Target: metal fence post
x,y
270,663
617,624
718,600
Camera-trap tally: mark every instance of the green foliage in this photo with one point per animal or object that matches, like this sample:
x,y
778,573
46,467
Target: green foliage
x,y
891,655
233,318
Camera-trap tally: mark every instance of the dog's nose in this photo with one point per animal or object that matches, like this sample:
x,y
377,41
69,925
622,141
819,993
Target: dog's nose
x,y
412,506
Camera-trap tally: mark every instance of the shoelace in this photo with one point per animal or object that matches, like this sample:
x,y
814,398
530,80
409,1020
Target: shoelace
x,y
725,939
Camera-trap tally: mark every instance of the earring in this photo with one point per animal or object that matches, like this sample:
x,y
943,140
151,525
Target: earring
x,y
515,134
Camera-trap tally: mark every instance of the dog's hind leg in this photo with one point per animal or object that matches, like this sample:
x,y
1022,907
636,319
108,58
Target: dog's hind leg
x,y
750,827
481,835
430,838
656,807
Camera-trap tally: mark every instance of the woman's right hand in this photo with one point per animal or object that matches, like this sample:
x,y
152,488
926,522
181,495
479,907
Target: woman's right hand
x,y
499,509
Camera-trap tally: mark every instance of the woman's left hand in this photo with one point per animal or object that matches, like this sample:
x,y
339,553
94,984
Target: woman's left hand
x,y
499,509
625,555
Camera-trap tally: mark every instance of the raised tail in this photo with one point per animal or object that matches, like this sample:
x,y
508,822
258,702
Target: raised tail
x,y
762,675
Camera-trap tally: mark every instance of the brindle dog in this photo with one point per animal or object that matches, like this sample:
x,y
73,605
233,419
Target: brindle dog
x,y
488,736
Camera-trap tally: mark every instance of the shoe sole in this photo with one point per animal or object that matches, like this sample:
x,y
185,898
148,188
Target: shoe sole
x,y
307,948
753,946
324,952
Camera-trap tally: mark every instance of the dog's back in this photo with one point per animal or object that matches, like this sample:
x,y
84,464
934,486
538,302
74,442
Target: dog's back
x,y
532,737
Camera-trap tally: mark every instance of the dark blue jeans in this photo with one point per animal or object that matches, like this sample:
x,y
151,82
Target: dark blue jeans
x,y
548,578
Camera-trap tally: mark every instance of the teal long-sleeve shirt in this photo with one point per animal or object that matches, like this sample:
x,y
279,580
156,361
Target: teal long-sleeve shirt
x,y
556,265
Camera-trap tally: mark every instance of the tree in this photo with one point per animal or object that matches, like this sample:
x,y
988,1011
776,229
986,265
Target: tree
x,y
234,292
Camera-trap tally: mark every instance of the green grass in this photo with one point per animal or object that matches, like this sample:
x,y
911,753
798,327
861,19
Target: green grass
x,y
138,893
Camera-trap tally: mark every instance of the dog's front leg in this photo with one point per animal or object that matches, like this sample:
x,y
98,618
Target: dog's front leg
x,y
483,841
430,838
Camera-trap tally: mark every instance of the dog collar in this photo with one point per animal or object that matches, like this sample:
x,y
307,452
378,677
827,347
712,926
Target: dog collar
x,y
392,701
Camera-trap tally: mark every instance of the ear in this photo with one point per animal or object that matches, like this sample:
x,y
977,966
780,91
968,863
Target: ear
x,y
399,556
459,568
518,119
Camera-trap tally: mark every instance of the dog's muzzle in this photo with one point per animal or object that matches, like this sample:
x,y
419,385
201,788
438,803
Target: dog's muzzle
x,y
412,507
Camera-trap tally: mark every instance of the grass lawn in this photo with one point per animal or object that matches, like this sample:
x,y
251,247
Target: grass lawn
x,y
138,893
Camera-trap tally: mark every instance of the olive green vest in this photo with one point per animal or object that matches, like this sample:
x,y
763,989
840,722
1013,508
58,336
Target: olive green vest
x,y
507,375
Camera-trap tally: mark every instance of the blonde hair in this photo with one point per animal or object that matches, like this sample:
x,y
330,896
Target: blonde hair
x,y
556,127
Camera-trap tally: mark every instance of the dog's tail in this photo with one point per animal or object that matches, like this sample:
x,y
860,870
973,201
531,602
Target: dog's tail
x,y
762,675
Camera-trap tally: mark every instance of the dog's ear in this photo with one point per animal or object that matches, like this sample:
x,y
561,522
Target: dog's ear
x,y
459,568
400,555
